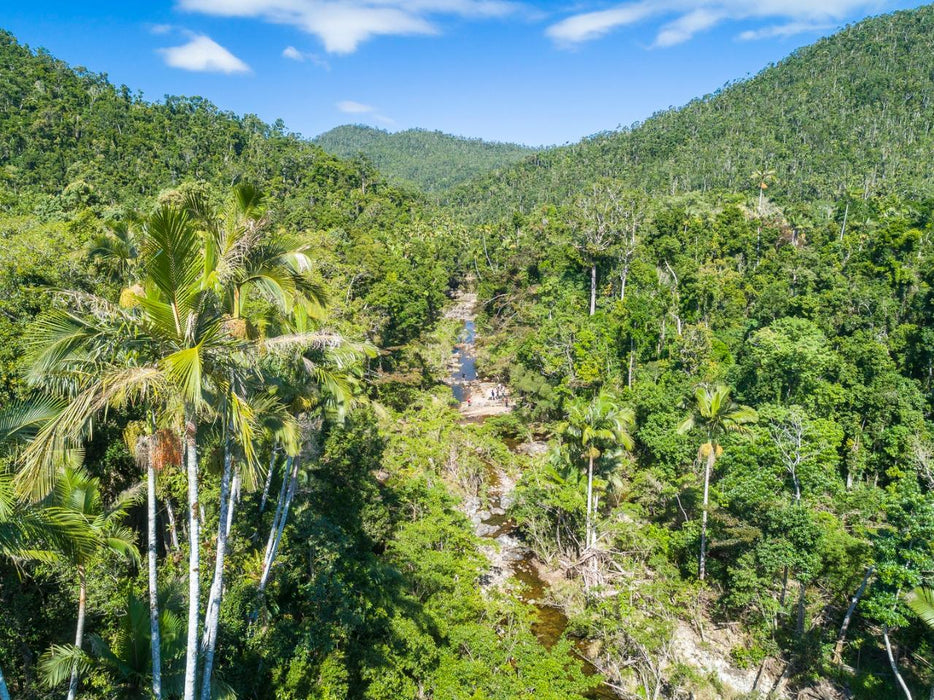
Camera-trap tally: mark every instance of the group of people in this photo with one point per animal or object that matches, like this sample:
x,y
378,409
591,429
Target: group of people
x,y
498,393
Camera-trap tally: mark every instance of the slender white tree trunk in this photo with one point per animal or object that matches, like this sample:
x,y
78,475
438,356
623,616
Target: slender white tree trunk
x,y
173,530
843,228
234,499
593,288
632,360
272,468
801,608
708,467
280,502
154,635
841,638
212,613
589,535
79,634
888,650
194,541
276,535
4,692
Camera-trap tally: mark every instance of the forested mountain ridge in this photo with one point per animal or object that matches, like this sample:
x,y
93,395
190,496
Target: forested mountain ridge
x,y
69,138
431,160
852,112
713,435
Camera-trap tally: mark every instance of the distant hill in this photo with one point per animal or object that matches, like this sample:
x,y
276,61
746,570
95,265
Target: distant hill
x,y
430,160
69,139
851,112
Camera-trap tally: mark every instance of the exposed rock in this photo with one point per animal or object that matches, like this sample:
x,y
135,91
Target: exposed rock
x,y
532,448
712,655
824,690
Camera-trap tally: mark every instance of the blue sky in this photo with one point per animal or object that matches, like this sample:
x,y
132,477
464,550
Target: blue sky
x,y
532,72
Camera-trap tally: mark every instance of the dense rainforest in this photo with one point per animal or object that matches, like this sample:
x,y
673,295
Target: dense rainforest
x,y
232,464
848,114
428,160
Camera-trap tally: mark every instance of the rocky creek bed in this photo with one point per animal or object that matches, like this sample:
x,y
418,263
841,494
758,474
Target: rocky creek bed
x,y
512,563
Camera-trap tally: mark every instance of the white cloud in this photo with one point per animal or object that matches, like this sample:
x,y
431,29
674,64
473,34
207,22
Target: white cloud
x,y
593,25
688,17
686,26
783,30
351,107
359,109
202,53
293,54
342,25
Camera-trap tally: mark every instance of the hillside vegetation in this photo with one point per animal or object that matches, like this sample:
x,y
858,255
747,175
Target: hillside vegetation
x,y
850,113
224,417
428,160
277,305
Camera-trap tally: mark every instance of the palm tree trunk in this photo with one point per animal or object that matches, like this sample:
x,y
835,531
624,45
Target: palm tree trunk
x,y
276,534
593,288
212,614
702,568
283,489
838,647
4,693
79,634
194,541
272,468
234,499
888,651
173,530
589,502
154,635
801,609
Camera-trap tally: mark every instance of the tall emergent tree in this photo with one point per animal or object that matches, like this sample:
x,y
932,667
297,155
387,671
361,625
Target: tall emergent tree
x,y
716,414
596,219
597,428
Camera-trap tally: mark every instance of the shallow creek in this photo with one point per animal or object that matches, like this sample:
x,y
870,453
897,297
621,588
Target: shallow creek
x,y
510,557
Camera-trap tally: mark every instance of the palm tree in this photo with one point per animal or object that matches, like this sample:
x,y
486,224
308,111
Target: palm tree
x,y
125,656
598,428
921,602
167,350
762,178
319,384
171,346
78,493
117,250
29,532
22,531
241,257
716,414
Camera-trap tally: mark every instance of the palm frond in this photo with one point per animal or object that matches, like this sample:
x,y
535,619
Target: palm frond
x,y
921,602
55,665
